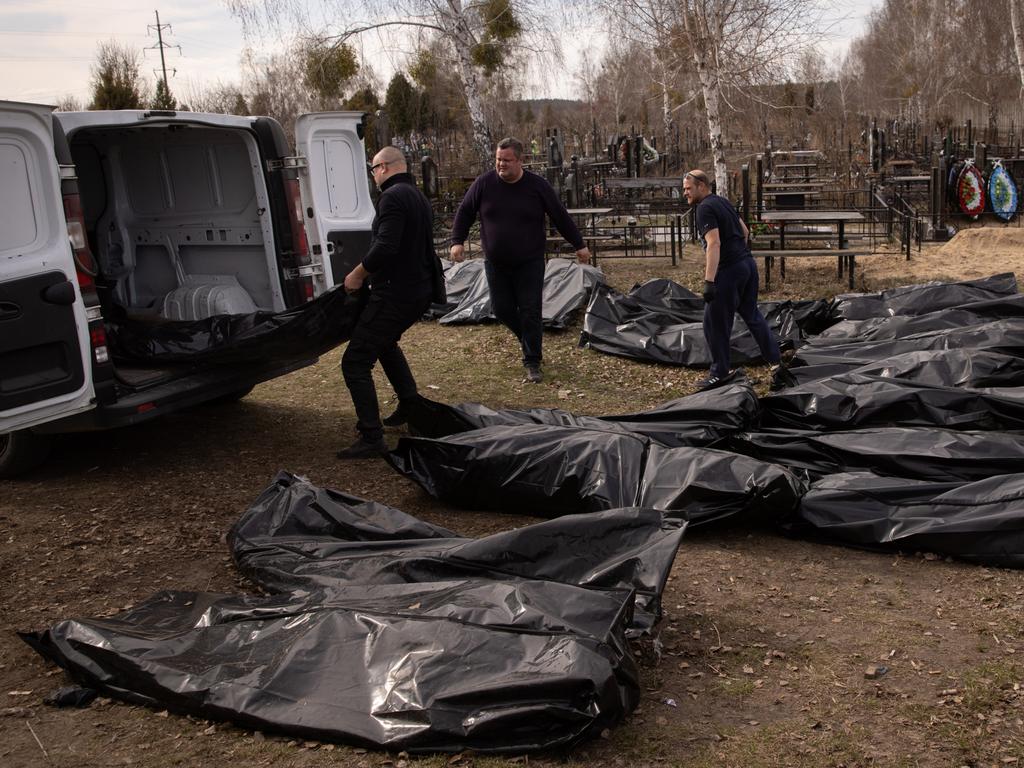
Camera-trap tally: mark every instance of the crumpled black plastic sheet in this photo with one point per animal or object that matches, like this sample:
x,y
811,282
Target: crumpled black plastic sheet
x,y
922,298
393,633
658,322
549,471
924,453
295,334
298,536
820,358
854,400
567,287
693,420
980,521
968,368
901,326
811,316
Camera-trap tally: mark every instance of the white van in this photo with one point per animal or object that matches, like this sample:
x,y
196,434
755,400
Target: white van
x,y
161,216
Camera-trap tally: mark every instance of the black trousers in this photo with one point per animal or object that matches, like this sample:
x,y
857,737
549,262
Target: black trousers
x,y
737,293
375,337
517,297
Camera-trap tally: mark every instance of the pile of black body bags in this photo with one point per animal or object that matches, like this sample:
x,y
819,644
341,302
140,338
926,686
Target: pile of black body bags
x,y
897,424
386,631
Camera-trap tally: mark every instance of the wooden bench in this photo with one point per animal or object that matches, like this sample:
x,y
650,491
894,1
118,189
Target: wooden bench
x,y
846,260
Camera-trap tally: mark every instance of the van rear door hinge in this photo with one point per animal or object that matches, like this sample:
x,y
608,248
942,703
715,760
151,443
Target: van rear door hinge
x,y
310,270
286,163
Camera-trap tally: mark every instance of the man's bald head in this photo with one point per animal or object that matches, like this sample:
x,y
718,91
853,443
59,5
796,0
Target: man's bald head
x,y
386,164
391,156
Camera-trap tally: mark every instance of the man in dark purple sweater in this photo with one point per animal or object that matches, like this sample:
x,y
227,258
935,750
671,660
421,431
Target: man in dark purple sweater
x,y
511,203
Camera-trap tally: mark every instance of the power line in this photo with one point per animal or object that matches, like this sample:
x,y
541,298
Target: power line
x,y
162,45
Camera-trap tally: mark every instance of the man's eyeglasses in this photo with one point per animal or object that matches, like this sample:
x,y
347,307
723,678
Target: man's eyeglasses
x,y
373,168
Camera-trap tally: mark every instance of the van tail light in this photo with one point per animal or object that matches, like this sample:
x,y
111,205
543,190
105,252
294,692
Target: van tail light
x,y
85,264
86,270
98,340
300,245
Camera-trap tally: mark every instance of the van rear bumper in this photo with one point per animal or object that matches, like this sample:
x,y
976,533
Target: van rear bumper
x,y
175,395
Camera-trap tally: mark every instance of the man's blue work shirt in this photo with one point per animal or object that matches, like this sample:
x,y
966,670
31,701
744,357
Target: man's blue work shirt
x,y
715,212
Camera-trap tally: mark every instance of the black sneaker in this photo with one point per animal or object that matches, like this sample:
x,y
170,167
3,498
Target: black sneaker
x,y
533,374
711,382
363,449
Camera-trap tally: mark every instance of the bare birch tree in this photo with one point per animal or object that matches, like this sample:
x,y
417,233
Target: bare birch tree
x,y
480,34
652,24
921,59
732,45
1018,36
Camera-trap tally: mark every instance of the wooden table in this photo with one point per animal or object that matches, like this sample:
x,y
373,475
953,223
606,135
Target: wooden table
x,y
839,218
593,213
645,182
588,211
796,153
798,185
845,258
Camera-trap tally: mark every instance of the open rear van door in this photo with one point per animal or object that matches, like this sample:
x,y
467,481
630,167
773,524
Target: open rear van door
x,y
45,366
335,190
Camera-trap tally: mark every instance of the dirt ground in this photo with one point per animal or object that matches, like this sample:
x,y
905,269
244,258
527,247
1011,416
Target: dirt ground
x,y
765,644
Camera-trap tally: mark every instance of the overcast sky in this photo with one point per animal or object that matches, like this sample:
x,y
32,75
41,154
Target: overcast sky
x,y
48,46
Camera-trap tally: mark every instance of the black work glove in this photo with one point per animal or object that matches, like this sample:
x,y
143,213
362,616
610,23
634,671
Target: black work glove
x,y
709,291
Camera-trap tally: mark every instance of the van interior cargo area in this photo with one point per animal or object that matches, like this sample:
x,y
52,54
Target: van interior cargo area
x,y
177,218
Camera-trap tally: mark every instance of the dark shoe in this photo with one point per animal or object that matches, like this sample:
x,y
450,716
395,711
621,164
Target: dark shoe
x,y
533,374
398,418
363,449
711,382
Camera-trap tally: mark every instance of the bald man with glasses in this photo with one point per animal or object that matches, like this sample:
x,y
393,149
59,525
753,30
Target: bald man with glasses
x,y
399,269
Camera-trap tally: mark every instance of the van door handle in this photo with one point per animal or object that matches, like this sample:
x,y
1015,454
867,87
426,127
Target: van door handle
x,y
60,293
9,310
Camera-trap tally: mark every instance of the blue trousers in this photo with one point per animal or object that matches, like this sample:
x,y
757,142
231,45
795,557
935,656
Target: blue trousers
x,y
736,292
517,297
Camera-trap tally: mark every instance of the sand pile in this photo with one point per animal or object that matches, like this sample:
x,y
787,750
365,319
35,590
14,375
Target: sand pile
x,y
971,253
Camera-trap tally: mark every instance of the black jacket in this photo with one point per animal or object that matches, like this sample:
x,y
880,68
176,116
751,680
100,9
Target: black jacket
x,y
401,260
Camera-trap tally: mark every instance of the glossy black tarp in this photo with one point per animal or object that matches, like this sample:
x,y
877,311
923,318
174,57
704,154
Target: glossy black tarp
x,y
824,358
900,326
981,521
549,471
924,453
964,367
922,298
295,334
853,400
392,632
658,322
694,420
567,286
299,536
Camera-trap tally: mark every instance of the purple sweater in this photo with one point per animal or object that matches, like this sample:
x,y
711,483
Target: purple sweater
x,y
512,226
